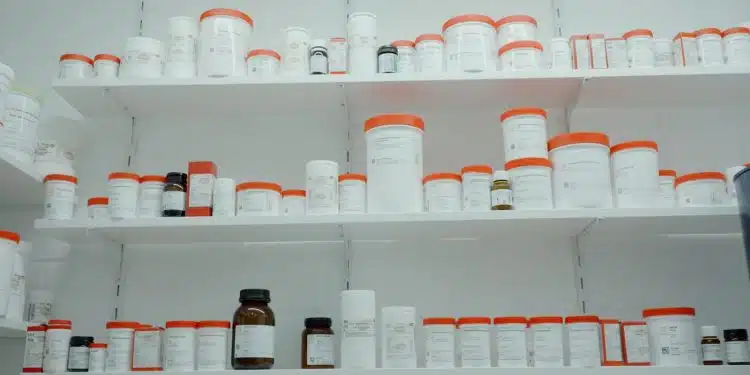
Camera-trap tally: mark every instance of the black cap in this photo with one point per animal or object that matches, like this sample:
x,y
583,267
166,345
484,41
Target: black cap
x,y
735,334
176,178
318,322
387,49
256,295
81,340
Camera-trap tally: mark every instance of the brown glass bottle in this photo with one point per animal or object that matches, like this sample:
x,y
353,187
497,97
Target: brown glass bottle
x,y
711,346
253,331
173,197
317,343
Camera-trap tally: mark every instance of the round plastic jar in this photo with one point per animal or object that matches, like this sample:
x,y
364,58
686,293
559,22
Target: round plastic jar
x,y
663,54
407,56
515,28
685,49
258,198
263,63
584,341
75,66
144,58
224,41
149,196
635,173
524,55
18,135
736,41
106,66
531,183
476,181
430,49
97,357
510,335
293,202
440,342
701,189
213,343
546,335
394,170
667,194
123,195
60,196
442,192
97,208
57,344
470,43
352,193
710,50
474,341
524,133
120,345
180,345
672,336
362,36
580,173
559,54
34,352
640,48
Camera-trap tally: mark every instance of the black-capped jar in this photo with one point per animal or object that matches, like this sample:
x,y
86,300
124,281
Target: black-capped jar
x,y
319,56
317,343
173,198
387,57
253,331
735,341
78,353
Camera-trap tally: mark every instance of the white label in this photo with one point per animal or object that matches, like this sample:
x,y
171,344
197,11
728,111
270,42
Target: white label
x,y
394,151
598,53
547,345
440,350
663,53
318,63
386,63
398,346
674,341
78,358
470,48
531,188
612,342
617,53
97,360
18,132
293,206
295,55
712,352
56,350
179,349
583,340
358,344
147,349
476,192
223,46
558,55
637,348
430,57
686,51
666,192
525,136
98,211
212,348
737,351
737,49
702,193
443,196
34,350
641,52
501,197
710,50
406,60
520,59
635,174
201,190
511,345
119,349
581,178
149,199
262,66
123,198
257,202
59,203
475,345
173,200
40,312
352,197
253,341
322,190
319,350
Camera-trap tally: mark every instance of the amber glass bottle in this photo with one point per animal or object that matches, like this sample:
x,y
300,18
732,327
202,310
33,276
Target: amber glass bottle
x,y
253,331
317,343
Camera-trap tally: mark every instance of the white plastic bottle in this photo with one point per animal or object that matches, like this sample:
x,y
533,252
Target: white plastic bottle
x,y
358,329
398,345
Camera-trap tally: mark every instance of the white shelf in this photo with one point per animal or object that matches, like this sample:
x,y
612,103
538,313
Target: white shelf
x,y
20,183
12,329
375,227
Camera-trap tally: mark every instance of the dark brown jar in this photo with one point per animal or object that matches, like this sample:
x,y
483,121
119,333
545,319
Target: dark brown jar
x,y
711,346
253,331
737,346
317,343
173,197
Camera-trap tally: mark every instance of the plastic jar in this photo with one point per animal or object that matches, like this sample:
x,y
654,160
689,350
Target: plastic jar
x,y
60,196
6,77
223,42
672,336
75,66
398,346
106,66
18,135
617,53
522,55
253,334
584,341
640,48
123,195
358,348
224,194
442,192
685,47
710,50
430,49
474,341
352,193
213,342
97,208
362,35
147,349
321,185
33,356
149,196
97,357
180,59
500,192
635,347
701,189
510,334
296,48
8,248
179,353
293,202
263,63
524,133
394,170
611,342
667,193
56,347
635,173
476,181
580,173
470,43
258,198
440,342
407,56
531,183
120,345
515,28
736,41
546,333
143,58
663,52
558,54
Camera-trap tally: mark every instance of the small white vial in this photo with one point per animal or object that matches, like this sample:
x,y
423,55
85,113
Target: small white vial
x,y
352,193
474,341
224,197
440,342
476,181
584,341
179,340
321,185
546,335
510,335
213,344
398,347
293,202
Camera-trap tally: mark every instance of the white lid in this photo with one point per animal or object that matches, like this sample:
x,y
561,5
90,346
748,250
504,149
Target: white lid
x,y
358,304
709,331
399,314
731,171
500,175
318,43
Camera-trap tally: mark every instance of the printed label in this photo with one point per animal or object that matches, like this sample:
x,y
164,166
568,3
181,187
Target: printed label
x,y
584,345
440,349
476,192
173,200
636,344
675,342
737,352
253,341
526,136
180,349
147,349
501,197
386,63
59,203
430,57
149,201
398,351
712,352
532,190
123,198
253,201
352,197
319,350
547,345
119,350
56,350
212,348
201,190
710,51
612,342
78,358
475,346
97,360
34,350
617,53
511,345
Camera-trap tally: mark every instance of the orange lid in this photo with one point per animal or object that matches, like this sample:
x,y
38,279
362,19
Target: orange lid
x,y
699,176
707,30
181,324
684,35
226,12
394,119
735,30
153,178
39,328
473,320
523,111
595,36
638,32
258,185
609,321
665,311
337,39
75,56
633,323
545,319
124,176
98,200
59,326
668,172
426,37
575,138
515,18
61,177
579,37
294,193
11,236
608,39
439,320
402,43
468,18
510,320
147,328
520,44
582,319
59,321
441,176
104,56
479,168
115,324
528,162
263,52
98,345
214,324
633,144
352,176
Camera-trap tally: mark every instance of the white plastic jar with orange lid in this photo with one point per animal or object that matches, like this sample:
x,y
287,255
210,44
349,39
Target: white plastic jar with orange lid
x,y
685,47
635,346
522,55
580,170
213,343
33,357
442,192
120,345
531,183
510,336
258,198
263,63
514,28
710,50
440,342
635,173
394,168
640,48
147,348
293,202
470,43
97,357
75,66
407,56
736,41
179,353
430,50
547,343
701,189
474,341
584,341
123,195
667,194
143,58
476,181
106,66
672,328
97,208
57,344
150,196
524,133
224,41
617,52
352,193
60,196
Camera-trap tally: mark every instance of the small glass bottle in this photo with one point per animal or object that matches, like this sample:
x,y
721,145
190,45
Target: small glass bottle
x,y
711,346
78,353
173,198
319,57
387,57
317,343
737,349
253,331
500,191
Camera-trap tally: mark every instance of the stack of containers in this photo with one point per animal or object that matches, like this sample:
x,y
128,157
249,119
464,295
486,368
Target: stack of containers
x,y
518,48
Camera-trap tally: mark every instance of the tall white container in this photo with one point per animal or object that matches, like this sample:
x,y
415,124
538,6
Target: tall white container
x,y
18,135
635,173
8,249
394,163
224,41
321,185
56,346
397,337
358,329
295,55
524,133
181,61
362,36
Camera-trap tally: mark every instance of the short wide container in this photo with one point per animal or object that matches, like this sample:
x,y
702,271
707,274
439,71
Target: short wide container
x,y
635,173
470,43
672,336
531,183
701,189
580,173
